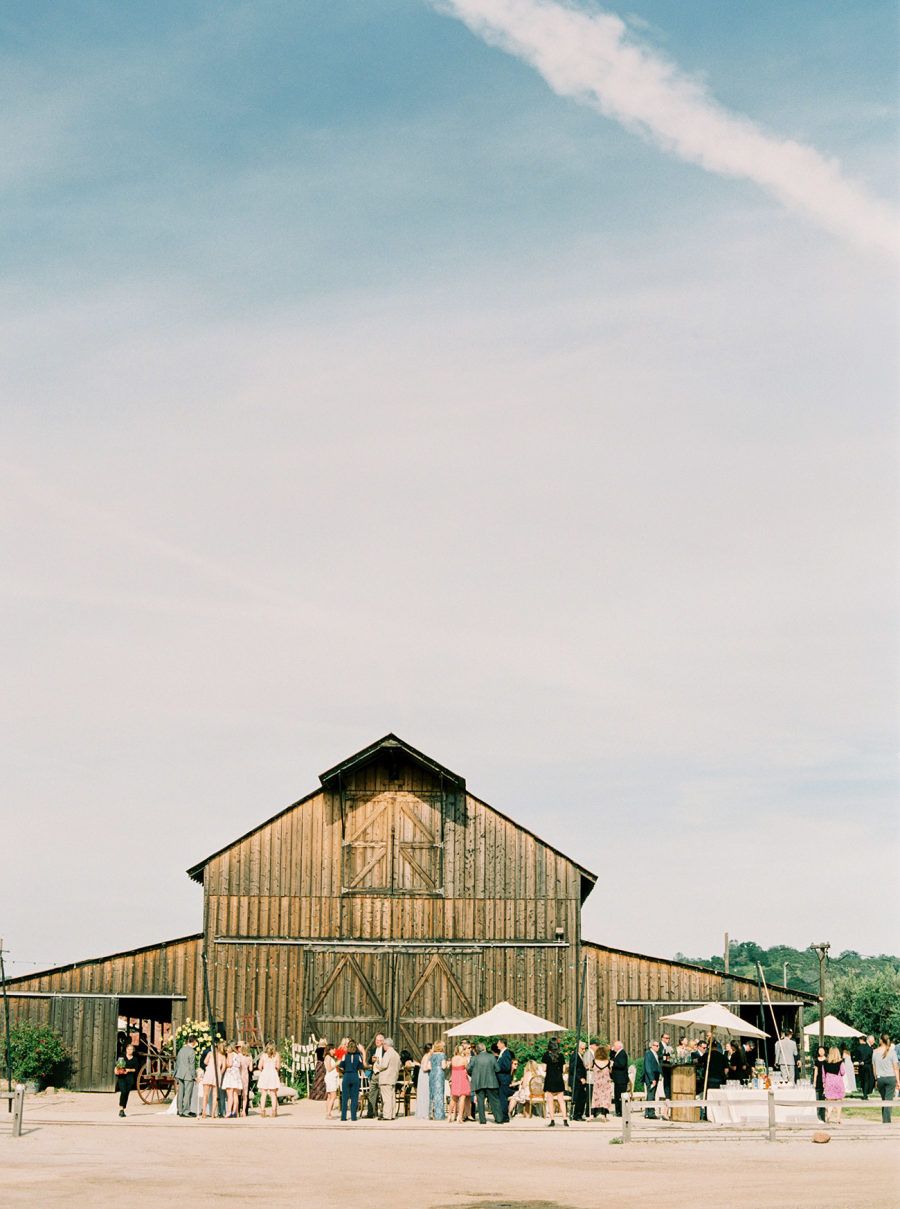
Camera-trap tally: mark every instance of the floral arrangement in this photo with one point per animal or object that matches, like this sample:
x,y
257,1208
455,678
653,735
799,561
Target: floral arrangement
x,y
199,1030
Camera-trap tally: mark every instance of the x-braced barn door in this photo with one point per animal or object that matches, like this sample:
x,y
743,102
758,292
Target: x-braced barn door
x,y
393,843
349,994
433,992
414,997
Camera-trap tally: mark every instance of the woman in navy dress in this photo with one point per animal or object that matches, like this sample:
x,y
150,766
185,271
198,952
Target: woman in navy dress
x,y
352,1064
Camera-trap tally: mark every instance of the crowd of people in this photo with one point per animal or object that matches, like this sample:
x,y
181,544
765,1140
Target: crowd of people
x,y
216,1081
467,1080
462,1085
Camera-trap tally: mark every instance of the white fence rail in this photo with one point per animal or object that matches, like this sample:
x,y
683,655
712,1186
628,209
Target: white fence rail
x,y
633,1109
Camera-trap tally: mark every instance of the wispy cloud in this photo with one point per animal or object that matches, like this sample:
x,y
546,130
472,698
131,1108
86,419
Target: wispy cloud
x,y
593,57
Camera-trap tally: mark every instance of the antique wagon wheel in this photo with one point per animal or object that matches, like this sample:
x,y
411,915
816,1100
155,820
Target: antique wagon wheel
x,y
154,1086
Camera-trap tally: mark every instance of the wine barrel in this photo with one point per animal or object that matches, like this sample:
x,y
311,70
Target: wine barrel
x,y
684,1087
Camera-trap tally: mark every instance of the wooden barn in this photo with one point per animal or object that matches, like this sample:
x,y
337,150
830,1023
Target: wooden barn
x,y
390,898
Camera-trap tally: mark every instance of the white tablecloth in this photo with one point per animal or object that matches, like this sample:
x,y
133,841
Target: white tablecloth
x,y
736,1105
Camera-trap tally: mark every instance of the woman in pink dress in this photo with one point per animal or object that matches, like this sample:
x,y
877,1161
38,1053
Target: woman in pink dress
x,y
460,1087
213,1074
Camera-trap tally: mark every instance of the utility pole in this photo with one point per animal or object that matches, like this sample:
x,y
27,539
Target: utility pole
x,y
727,954
821,951
784,979
6,1022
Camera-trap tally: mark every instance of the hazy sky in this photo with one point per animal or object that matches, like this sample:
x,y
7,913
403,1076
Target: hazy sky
x,y
516,377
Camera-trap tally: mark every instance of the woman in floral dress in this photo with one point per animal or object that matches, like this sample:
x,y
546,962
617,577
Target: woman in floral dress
x,y
602,1098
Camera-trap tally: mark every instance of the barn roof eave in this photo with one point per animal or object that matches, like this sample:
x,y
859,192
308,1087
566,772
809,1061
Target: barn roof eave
x,y
89,961
691,965
392,743
588,879
196,871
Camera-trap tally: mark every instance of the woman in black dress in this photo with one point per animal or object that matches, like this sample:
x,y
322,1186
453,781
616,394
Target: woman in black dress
x,y
734,1057
125,1084
554,1082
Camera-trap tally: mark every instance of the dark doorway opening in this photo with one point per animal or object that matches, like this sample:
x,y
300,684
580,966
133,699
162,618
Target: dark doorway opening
x,y
145,1023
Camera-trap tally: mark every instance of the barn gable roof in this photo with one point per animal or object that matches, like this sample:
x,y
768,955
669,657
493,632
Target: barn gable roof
x,y
391,745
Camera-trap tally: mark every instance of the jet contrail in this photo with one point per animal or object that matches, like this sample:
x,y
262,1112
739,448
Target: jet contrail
x,y
593,58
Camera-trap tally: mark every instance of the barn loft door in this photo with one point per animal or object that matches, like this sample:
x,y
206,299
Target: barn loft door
x,y
433,992
348,995
417,836
367,843
393,843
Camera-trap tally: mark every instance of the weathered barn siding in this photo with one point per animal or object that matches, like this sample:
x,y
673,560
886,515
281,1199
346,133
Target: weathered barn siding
x,y
396,857
657,987
82,1000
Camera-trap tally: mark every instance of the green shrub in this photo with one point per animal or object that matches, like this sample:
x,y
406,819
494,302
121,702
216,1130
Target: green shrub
x,y
39,1055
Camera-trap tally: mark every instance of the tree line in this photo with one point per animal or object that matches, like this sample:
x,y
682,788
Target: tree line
x,y
862,991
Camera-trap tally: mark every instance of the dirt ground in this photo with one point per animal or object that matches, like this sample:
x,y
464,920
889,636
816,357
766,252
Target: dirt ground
x,y
76,1151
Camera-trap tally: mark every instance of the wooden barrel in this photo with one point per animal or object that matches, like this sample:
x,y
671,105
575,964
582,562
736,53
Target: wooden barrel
x,y
684,1087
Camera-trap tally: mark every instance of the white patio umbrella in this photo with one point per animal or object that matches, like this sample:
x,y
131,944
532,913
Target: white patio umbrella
x,y
833,1028
503,1018
717,1018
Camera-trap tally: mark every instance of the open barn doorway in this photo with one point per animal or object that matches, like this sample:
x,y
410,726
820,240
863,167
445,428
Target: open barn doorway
x,y
144,1021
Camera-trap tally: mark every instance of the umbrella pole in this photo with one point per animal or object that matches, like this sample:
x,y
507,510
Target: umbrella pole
x,y
573,1069
712,1036
769,1001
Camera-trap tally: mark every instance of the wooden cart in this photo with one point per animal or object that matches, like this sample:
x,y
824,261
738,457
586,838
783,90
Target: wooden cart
x,y
156,1078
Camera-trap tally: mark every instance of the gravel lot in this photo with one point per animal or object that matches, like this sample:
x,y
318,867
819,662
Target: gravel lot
x,y
77,1152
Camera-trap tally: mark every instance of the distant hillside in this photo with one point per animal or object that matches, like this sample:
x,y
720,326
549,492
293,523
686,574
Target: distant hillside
x,y
802,964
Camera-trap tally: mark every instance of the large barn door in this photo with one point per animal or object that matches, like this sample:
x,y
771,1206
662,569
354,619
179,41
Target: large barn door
x,y
433,992
348,995
393,843
87,1024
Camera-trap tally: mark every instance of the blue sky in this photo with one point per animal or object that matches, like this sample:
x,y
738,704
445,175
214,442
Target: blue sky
x,y
356,380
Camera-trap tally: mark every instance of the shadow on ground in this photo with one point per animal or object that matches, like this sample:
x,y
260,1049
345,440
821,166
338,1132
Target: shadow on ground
x,y
492,1204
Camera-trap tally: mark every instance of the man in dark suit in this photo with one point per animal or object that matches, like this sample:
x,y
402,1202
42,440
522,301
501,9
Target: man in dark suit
x,y
666,1059
482,1070
718,1067
652,1075
698,1059
866,1074
504,1077
619,1075
578,1082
